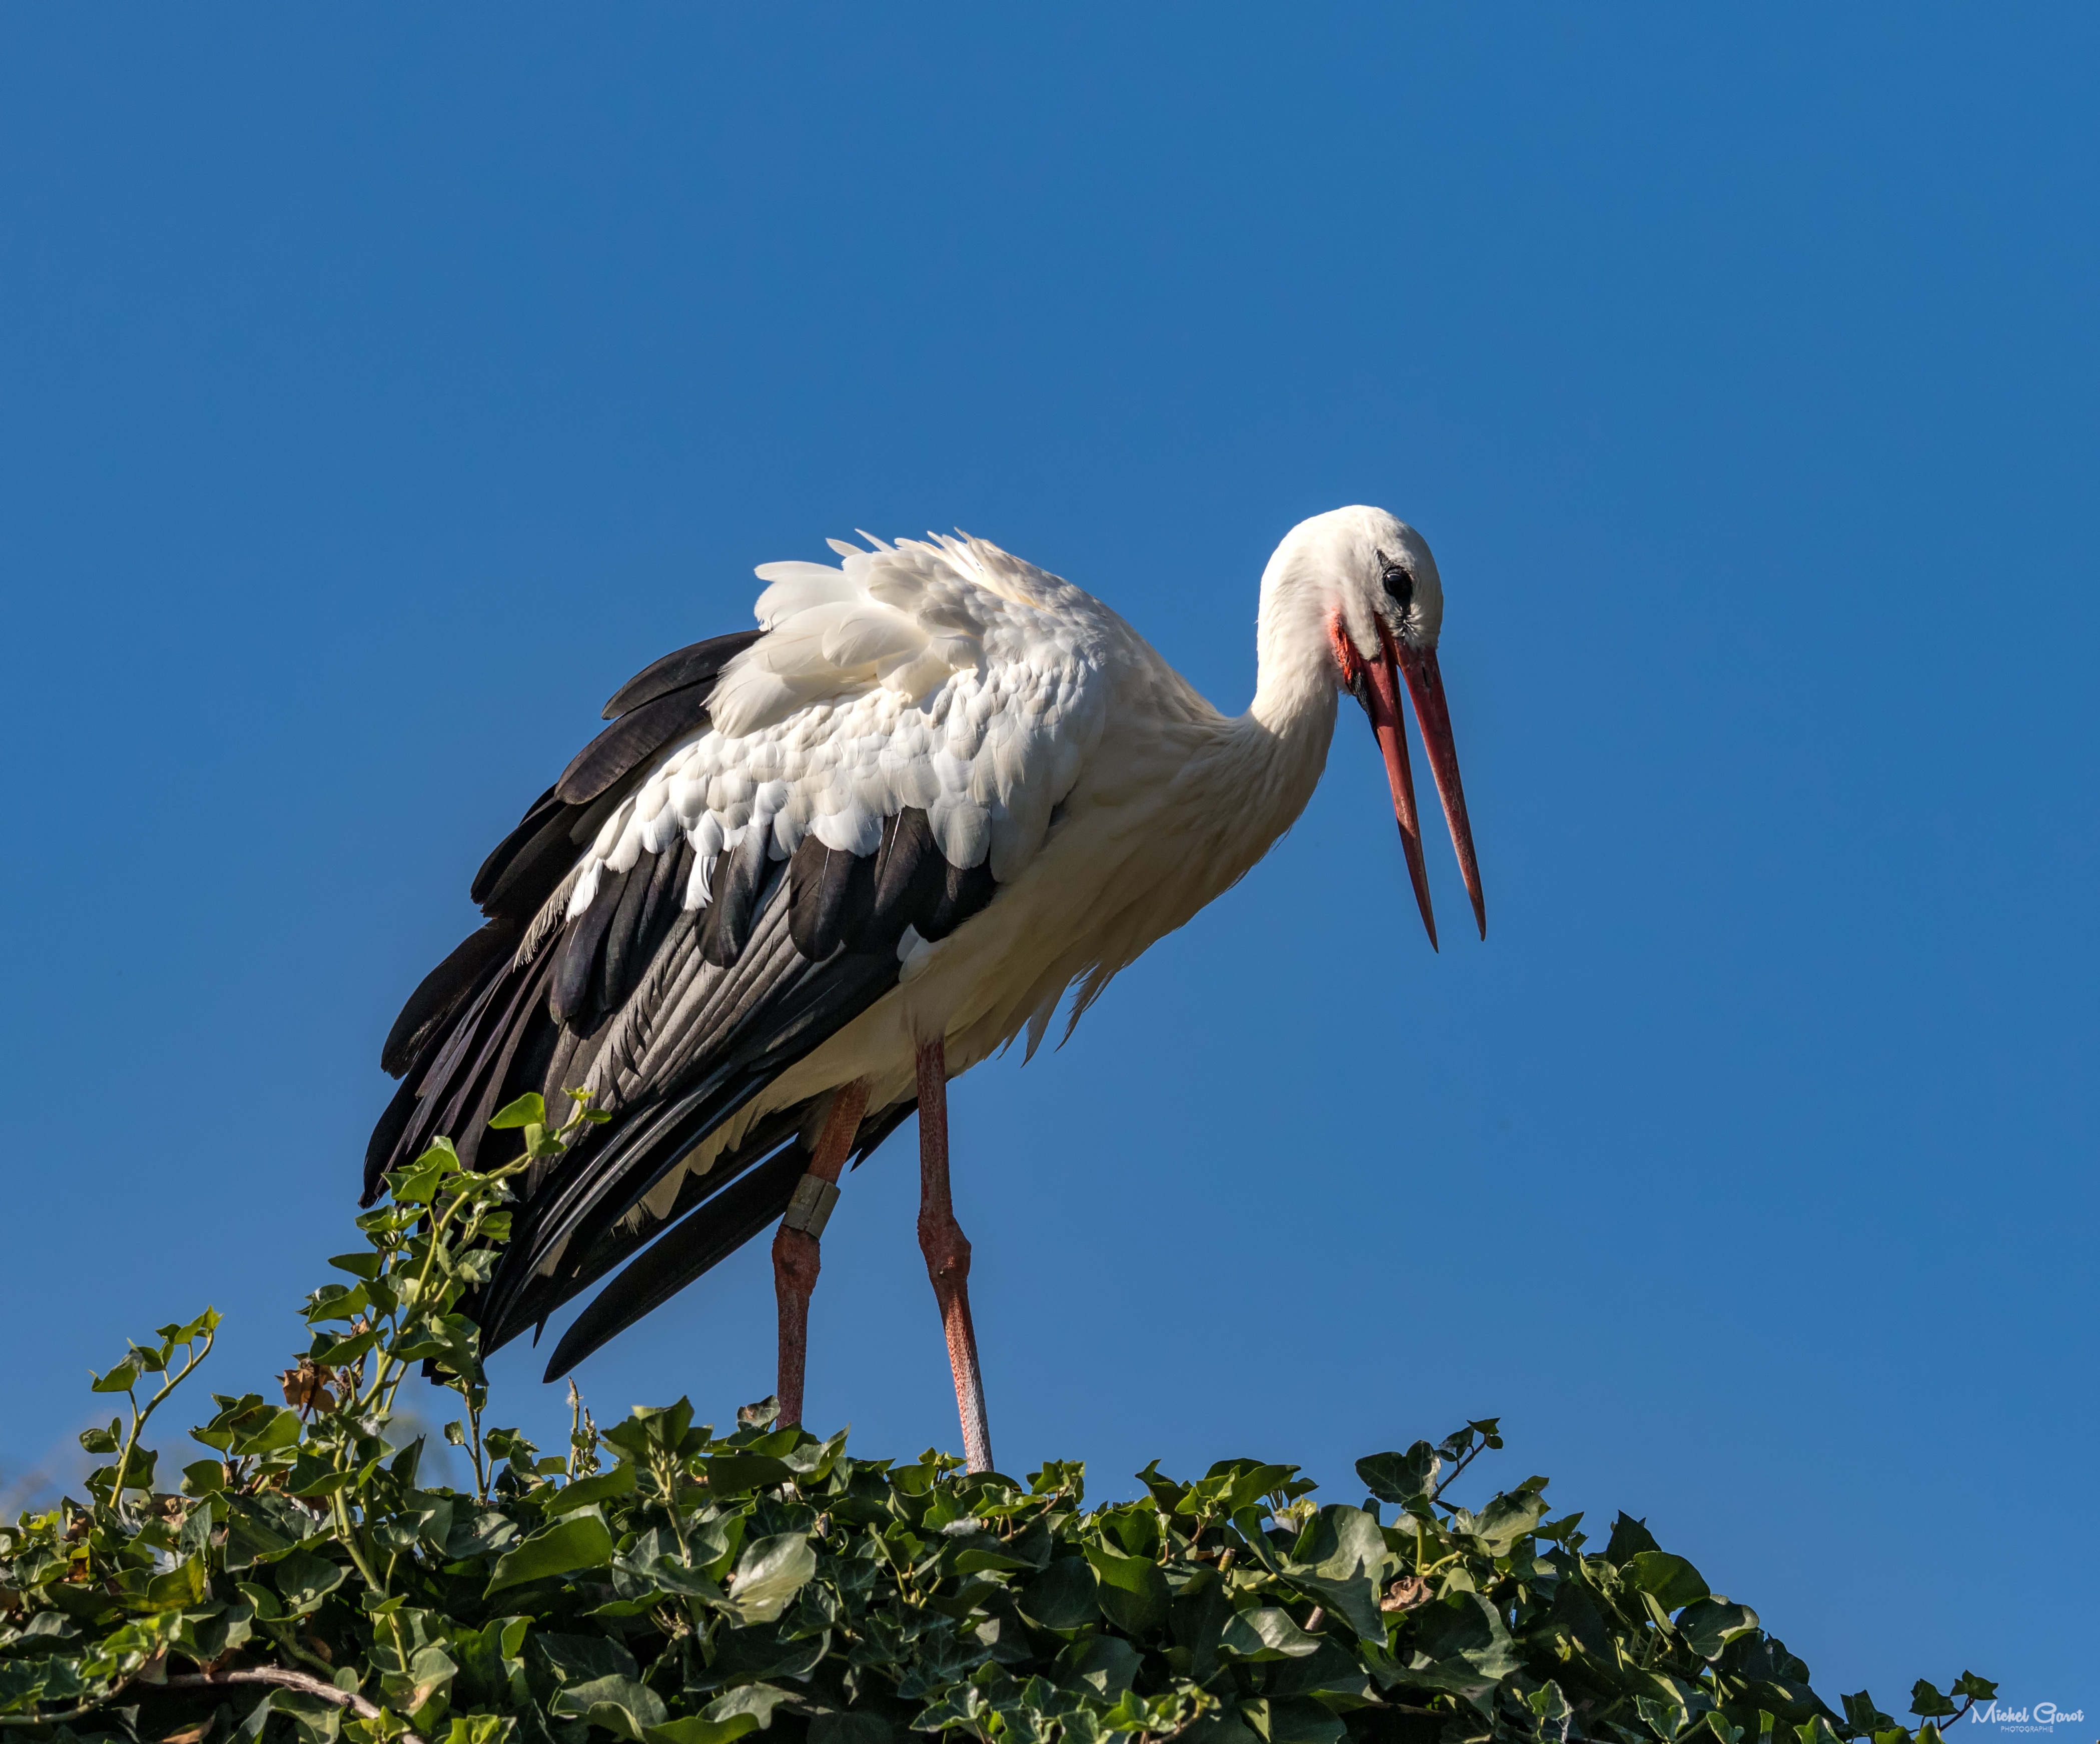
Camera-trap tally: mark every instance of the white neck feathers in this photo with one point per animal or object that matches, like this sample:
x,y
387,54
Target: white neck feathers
x,y
1287,730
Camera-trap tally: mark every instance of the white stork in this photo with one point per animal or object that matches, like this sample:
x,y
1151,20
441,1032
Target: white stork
x,y
813,870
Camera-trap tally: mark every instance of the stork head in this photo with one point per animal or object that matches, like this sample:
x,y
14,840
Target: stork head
x,y
1382,605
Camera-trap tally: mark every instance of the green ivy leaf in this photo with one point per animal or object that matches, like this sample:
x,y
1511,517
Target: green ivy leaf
x,y
1399,1477
1346,1565
121,1379
745,1708
1670,1580
1510,1517
618,1481
529,1110
280,1429
1266,1632
181,1588
1709,1625
261,1528
577,1541
1133,1593
1105,1663
769,1573
1630,1537
625,1706
305,1579
732,1474
1294,1721
1062,1597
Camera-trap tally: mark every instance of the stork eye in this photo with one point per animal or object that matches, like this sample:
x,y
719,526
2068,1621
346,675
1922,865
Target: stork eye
x,y
1399,584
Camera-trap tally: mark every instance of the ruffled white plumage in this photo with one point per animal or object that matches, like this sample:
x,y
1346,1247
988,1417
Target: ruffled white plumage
x,y
946,675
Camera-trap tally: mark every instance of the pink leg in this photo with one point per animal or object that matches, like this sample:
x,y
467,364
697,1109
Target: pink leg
x,y
795,1257
947,1253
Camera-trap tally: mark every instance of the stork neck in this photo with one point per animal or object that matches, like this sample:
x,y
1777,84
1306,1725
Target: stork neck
x,y
1293,710
1295,673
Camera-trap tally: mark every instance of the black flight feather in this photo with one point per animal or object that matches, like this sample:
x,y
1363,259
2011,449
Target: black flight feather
x,y
442,992
496,1040
737,877
515,876
618,963
697,664
964,893
386,1137
830,896
568,998
908,879
547,1292
632,740
701,1242
667,901
537,871
652,901
542,812
603,1179
724,1222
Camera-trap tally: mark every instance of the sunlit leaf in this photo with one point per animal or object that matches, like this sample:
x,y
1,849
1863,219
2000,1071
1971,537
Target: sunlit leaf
x,y
529,1110
770,1573
578,1541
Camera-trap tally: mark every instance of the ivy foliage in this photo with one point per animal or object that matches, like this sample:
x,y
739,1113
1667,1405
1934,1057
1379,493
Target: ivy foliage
x,y
658,1583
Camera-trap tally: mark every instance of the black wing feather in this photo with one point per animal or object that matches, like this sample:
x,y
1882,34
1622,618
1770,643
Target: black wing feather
x,y
693,1247
647,910
738,876
534,858
547,1292
776,1007
385,1145
908,880
733,1217
630,739
831,898
964,891
475,1085
583,939
524,841
520,885
442,992
699,664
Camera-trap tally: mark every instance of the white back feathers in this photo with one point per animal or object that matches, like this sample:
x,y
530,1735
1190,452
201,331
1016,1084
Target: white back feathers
x,y
948,676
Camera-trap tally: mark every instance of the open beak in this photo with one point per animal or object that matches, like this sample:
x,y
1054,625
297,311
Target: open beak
x,y
1381,696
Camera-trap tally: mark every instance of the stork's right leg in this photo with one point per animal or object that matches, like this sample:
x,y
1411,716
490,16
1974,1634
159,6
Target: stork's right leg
x,y
795,1256
947,1252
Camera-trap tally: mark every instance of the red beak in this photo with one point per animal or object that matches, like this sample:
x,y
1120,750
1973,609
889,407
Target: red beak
x,y
1425,684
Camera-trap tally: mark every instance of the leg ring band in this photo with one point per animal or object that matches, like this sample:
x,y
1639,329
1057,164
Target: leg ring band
x,y
810,1209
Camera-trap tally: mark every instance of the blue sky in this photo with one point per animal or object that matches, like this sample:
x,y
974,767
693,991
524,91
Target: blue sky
x,y
379,387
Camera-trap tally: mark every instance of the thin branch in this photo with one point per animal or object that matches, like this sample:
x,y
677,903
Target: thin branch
x,y
277,1675
284,1678
1457,1466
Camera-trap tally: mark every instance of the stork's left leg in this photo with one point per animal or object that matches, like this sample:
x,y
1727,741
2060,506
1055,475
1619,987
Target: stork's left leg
x,y
795,1252
947,1252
